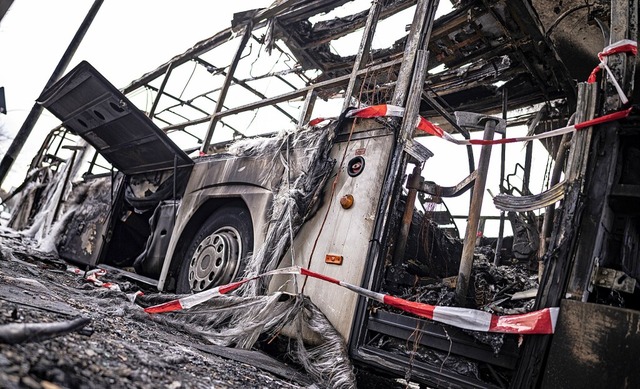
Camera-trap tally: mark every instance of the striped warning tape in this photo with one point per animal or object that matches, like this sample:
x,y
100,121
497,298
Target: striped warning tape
x,y
430,128
387,110
623,46
92,276
537,322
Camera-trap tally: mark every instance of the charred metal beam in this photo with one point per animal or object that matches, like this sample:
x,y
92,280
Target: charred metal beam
x,y
307,108
503,156
303,9
559,260
445,114
419,34
624,25
549,212
160,91
409,123
306,59
198,49
534,30
298,70
466,262
363,51
434,189
296,7
328,30
407,217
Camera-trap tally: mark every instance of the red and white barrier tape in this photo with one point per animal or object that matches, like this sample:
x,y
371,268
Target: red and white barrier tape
x,y
537,322
198,298
430,128
622,46
92,276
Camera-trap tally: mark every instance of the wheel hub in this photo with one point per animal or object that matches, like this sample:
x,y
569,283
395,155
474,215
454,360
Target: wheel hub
x,y
216,259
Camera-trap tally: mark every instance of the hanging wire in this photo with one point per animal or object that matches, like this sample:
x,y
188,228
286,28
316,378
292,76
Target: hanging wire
x,y
255,114
195,64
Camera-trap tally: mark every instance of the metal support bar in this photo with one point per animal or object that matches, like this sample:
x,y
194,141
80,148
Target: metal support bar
x,y
179,100
549,212
363,52
407,217
466,262
409,123
225,86
36,110
412,112
503,157
307,108
527,168
419,34
445,191
443,112
564,241
624,25
160,91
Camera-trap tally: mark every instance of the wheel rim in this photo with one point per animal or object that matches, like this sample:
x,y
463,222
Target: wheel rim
x,y
216,259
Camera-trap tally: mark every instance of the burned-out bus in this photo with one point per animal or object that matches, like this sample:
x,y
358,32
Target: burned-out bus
x,y
201,173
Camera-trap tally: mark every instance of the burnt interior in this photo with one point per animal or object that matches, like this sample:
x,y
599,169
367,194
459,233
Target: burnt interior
x,y
144,217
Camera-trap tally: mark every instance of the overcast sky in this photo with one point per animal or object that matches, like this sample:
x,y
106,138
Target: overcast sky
x,y
130,38
126,40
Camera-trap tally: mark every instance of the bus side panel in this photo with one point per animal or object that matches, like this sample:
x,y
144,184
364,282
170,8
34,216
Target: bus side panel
x,y
346,233
594,346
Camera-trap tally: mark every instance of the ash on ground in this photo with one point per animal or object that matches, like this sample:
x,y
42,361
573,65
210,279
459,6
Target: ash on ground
x,y
120,347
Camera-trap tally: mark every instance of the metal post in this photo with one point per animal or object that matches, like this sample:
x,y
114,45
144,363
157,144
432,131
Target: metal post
x,y
503,156
307,108
363,51
24,132
549,211
418,37
624,25
412,182
466,262
528,156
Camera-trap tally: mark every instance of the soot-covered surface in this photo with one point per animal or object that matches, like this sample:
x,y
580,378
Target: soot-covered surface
x,y
121,347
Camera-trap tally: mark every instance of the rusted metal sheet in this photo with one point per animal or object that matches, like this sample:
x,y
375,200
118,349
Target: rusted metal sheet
x,y
594,346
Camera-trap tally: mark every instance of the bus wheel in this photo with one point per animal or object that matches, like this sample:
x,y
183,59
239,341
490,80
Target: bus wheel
x,y
218,252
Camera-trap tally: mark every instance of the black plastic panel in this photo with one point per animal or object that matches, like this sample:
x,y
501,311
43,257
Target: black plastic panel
x,y
93,108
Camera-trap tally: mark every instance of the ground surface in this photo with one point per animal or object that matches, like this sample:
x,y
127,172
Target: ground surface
x,y
121,347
